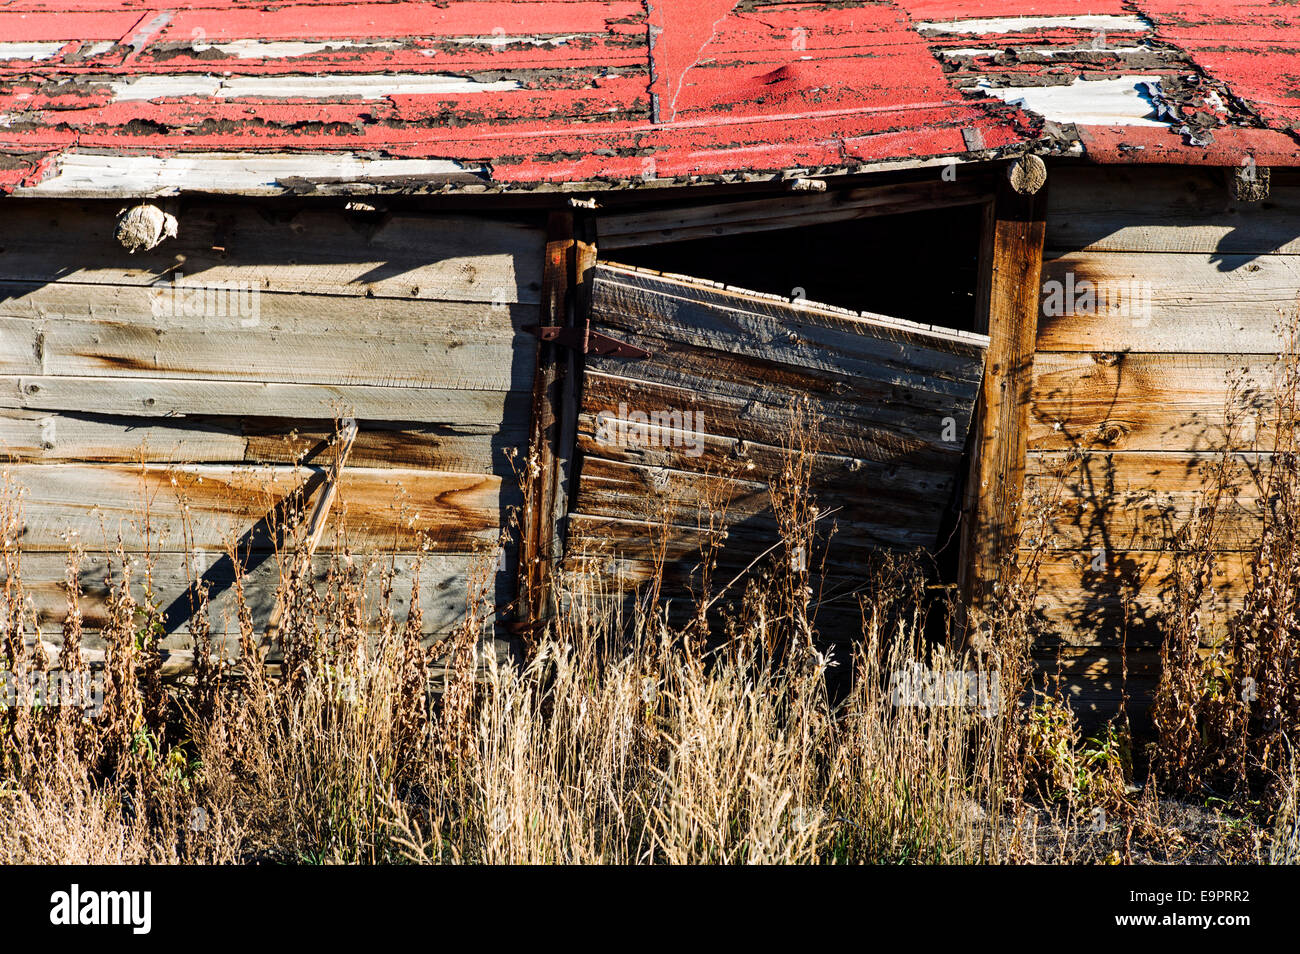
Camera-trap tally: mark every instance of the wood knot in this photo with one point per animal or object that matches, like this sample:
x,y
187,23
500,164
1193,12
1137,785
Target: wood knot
x,y
1027,174
1110,432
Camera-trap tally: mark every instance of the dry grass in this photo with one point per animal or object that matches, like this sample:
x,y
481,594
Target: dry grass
x,y
636,731
1227,710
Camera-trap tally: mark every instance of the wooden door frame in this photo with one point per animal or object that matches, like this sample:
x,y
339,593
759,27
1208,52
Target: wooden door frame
x,y
1007,303
1009,265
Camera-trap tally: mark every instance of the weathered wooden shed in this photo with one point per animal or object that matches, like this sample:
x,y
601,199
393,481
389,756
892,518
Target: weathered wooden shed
x,y
485,227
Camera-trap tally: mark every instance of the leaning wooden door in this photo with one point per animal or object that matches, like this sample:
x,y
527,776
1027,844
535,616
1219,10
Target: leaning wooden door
x,y
683,446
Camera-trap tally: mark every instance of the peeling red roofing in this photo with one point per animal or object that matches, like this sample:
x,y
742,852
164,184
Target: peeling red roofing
x,y
528,93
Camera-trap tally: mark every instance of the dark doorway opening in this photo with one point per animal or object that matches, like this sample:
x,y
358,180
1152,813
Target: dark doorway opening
x,y
921,266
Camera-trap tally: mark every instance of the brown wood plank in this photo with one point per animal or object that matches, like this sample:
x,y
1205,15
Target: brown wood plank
x,y
1150,402
1097,473
61,436
1147,519
401,255
994,486
1105,598
1167,302
1158,209
166,397
205,504
1093,681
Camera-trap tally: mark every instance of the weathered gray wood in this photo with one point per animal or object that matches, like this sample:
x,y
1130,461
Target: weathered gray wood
x,y
899,397
730,367
774,329
861,428
446,584
165,397
692,500
205,505
713,454
316,521
67,436
617,536
444,345
1197,302
1154,402
1156,209
162,304
410,255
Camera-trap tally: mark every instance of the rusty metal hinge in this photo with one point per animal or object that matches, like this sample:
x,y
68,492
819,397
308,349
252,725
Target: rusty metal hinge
x,y
587,341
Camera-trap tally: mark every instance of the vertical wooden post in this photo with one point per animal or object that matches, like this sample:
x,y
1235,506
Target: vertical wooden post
x,y
541,481
569,263
1010,274
584,270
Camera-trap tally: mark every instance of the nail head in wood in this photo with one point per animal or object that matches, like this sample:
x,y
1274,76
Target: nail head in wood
x,y
1027,174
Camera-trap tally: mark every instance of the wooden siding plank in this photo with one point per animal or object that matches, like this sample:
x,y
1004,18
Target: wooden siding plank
x,y
744,457
617,536
773,329
447,345
1150,402
444,591
166,397
1125,209
753,412
399,255
63,436
1093,682
1107,599
1125,472
691,500
1168,302
891,401
206,504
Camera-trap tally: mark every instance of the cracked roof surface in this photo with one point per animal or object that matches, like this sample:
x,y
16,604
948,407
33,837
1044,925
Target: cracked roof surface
x,y
137,97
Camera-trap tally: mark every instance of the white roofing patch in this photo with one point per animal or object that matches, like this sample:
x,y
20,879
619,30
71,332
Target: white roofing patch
x,y
1108,102
30,51
1020,24
501,39
284,49
287,49
338,85
90,175
1045,50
